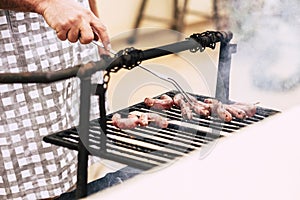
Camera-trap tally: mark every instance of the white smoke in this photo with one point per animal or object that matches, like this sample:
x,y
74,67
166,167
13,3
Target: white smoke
x,y
269,30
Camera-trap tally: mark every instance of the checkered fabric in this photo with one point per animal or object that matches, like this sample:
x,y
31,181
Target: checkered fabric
x,y
30,168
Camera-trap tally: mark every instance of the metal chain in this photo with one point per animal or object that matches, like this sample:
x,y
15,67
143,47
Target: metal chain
x,y
205,39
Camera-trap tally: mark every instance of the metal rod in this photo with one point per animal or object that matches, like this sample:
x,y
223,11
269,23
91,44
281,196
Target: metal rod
x,y
103,120
84,123
223,77
128,161
169,49
53,76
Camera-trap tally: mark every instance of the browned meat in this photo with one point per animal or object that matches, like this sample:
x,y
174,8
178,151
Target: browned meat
x,y
223,113
235,111
200,107
125,123
164,103
218,109
199,103
160,121
250,109
185,107
200,110
238,110
143,120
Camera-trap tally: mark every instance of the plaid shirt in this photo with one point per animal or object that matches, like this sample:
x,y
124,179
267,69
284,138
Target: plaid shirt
x,y
30,168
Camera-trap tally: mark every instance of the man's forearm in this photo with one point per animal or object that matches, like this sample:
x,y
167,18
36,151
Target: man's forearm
x,y
21,5
95,7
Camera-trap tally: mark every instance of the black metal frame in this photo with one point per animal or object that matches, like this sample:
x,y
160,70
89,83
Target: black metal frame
x,y
128,59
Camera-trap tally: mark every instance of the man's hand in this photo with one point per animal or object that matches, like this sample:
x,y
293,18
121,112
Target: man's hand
x,y
72,21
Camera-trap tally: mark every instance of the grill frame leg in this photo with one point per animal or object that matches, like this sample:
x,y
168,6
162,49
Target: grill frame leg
x,y
82,174
84,121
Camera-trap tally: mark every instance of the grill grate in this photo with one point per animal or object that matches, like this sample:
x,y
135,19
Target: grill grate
x,y
147,147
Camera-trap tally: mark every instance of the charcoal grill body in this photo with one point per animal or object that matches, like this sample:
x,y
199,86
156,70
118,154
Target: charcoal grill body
x,y
128,59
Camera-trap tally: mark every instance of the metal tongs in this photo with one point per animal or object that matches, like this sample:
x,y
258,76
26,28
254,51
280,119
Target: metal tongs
x,y
99,44
172,81
162,77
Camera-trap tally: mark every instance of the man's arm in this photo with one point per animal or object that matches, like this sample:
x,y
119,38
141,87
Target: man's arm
x,y
95,7
17,5
68,18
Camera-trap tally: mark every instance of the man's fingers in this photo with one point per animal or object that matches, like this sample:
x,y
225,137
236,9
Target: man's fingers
x,y
73,34
84,30
62,35
101,31
86,34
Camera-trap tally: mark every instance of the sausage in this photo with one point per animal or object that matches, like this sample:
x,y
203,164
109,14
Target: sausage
x,y
185,107
143,120
186,110
250,109
238,109
200,110
222,113
235,111
178,99
133,121
125,123
164,103
160,121
218,109
199,103
211,101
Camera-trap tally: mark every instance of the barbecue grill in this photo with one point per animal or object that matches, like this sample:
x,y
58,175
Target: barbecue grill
x,y
142,147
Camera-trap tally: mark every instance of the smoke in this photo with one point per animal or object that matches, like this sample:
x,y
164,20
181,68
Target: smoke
x,y
269,31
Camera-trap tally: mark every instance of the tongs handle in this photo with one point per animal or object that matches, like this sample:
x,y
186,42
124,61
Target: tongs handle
x,y
99,44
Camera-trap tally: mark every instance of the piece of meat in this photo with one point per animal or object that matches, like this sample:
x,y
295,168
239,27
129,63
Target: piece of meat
x,y
143,120
159,121
178,99
199,103
199,107
164,103
125,123
211,101
239,110
200,110
185,107
250,109
186,110
222,113
235,111
167,98
219,110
